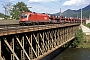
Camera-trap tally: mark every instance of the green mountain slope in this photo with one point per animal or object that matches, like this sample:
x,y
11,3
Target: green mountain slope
x,y
76,13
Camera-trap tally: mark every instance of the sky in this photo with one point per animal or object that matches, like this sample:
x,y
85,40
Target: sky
x,y
48,6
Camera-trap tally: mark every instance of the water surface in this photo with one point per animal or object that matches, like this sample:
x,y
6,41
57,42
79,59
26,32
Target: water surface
x,y
74,54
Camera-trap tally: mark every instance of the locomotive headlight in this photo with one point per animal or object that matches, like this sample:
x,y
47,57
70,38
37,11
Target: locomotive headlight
x,y
45,18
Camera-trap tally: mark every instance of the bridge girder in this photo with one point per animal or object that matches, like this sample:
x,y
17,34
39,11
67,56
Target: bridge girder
x,y
36,45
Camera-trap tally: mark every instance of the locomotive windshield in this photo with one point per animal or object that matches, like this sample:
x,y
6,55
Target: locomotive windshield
x,y
24,16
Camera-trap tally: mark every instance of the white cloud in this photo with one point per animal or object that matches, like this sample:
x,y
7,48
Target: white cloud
x,y
13,0
41,0
39,9
42,9
75,2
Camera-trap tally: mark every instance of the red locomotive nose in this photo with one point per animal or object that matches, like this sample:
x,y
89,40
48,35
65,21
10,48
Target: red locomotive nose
x,y
23,19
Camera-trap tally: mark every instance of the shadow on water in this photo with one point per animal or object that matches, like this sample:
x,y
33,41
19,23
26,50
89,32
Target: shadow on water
x,y
56,52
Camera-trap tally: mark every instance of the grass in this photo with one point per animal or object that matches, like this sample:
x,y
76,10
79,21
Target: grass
x,y
88,25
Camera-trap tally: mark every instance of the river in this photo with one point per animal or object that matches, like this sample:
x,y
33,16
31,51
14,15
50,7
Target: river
x,y
74,54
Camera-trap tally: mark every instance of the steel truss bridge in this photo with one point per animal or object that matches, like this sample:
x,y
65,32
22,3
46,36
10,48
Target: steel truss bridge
x,y
34,42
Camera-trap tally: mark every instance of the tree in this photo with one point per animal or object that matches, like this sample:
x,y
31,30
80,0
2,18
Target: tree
x,y
17,9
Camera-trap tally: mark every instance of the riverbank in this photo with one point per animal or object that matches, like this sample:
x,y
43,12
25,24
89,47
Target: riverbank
x,y
85,42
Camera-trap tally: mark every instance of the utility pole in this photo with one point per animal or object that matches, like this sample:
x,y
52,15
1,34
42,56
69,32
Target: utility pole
x,y
81,16
60,8
60,11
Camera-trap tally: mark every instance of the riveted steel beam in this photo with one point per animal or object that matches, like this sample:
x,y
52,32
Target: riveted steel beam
x,y
43,44
12,45
5,40
37,44
31,47
0,51
22,51
22,47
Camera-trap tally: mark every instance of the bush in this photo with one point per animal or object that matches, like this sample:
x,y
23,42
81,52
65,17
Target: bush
x,y
78,39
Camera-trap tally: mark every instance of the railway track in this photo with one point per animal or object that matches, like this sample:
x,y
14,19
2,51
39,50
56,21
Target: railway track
x,y
17,26
15,29
8,26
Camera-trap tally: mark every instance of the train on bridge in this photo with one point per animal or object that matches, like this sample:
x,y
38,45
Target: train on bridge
x,y
36,42
32,18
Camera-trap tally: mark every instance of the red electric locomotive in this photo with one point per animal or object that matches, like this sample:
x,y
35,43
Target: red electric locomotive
x,y
33,18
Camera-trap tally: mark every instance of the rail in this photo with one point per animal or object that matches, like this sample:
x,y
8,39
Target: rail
x,y
17,26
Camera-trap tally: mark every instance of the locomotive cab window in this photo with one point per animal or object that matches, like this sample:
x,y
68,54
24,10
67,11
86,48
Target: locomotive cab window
x,y
24,16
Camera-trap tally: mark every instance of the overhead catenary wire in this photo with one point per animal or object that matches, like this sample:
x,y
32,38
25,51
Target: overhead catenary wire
x,y
58,5
55,3
3,1
40,4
